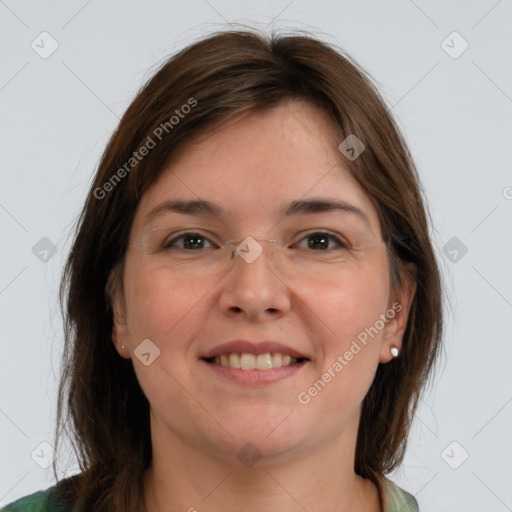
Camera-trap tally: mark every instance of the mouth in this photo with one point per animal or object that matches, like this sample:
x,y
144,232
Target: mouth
x,y
247,361
251,363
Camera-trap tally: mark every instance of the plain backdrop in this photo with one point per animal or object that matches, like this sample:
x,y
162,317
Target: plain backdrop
x,y
69,70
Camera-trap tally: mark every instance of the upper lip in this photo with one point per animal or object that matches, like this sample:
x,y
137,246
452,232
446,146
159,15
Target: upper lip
x,y
253,347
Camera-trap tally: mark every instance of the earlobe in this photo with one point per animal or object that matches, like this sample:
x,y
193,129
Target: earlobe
x,y
119,327
399,310
118,340
119,334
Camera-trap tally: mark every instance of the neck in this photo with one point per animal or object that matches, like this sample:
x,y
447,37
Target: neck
x,y
184,478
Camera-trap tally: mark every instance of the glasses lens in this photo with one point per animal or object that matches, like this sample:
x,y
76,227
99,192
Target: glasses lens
x,y
195,254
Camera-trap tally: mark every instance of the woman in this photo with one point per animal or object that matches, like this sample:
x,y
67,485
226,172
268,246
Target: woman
x,y
252,300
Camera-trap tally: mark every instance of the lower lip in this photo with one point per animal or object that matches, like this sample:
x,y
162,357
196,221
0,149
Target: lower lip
x,y
255,377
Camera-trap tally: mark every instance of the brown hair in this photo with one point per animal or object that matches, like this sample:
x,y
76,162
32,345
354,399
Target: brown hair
x,y
101,405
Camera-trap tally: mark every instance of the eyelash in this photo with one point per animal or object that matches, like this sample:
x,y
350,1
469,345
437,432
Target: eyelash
x,y
190,234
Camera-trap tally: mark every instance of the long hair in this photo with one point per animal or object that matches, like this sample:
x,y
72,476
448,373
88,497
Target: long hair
x,y
101,407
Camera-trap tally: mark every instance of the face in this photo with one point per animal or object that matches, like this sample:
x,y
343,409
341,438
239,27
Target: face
x,y
313,299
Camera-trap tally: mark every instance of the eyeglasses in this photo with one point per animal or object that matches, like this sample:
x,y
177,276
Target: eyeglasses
x,y
195,254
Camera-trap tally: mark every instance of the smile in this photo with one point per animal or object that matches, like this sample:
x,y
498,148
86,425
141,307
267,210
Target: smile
x,y
245,361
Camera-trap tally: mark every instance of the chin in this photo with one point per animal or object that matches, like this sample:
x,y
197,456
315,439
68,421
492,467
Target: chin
x,y
262,437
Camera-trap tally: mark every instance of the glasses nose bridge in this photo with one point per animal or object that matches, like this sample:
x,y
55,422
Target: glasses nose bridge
x,y
251,248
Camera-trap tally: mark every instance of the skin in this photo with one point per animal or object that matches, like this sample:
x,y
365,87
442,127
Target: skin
x,y
199,421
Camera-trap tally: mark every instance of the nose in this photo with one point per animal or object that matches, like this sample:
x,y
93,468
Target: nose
x,y
254,288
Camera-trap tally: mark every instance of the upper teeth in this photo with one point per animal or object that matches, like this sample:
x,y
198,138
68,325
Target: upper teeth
x,y
252,362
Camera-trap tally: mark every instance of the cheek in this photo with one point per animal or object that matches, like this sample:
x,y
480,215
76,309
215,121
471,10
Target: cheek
x,y
164,310
351,347
159,305
351,307
350,302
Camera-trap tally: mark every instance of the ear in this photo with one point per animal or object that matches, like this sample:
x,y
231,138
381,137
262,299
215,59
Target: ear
x,y
398,313
119,330
118,304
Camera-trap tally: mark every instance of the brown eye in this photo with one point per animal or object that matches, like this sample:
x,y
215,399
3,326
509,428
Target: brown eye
x,y
319,241
191,241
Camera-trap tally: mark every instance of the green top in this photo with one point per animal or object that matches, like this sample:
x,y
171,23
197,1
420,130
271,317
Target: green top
x,y
40,501
394,499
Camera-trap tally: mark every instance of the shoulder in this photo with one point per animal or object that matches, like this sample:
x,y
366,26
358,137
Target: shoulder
x,y
40,501
395,499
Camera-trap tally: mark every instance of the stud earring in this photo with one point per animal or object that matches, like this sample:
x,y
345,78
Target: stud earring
x,y
394,351
122,346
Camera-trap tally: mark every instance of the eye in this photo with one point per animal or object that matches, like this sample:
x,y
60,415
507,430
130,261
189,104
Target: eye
x,y
319,240
191,241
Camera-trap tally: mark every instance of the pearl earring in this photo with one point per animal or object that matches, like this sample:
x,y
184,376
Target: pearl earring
x,y
394,351
122,346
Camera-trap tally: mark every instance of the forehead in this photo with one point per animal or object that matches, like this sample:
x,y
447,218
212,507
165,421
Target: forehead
x,y
254,165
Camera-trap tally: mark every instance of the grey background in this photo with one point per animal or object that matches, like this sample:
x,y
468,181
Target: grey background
x,y
57,114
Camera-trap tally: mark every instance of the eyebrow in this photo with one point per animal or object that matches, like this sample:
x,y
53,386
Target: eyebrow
x,y
298,207
321,205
